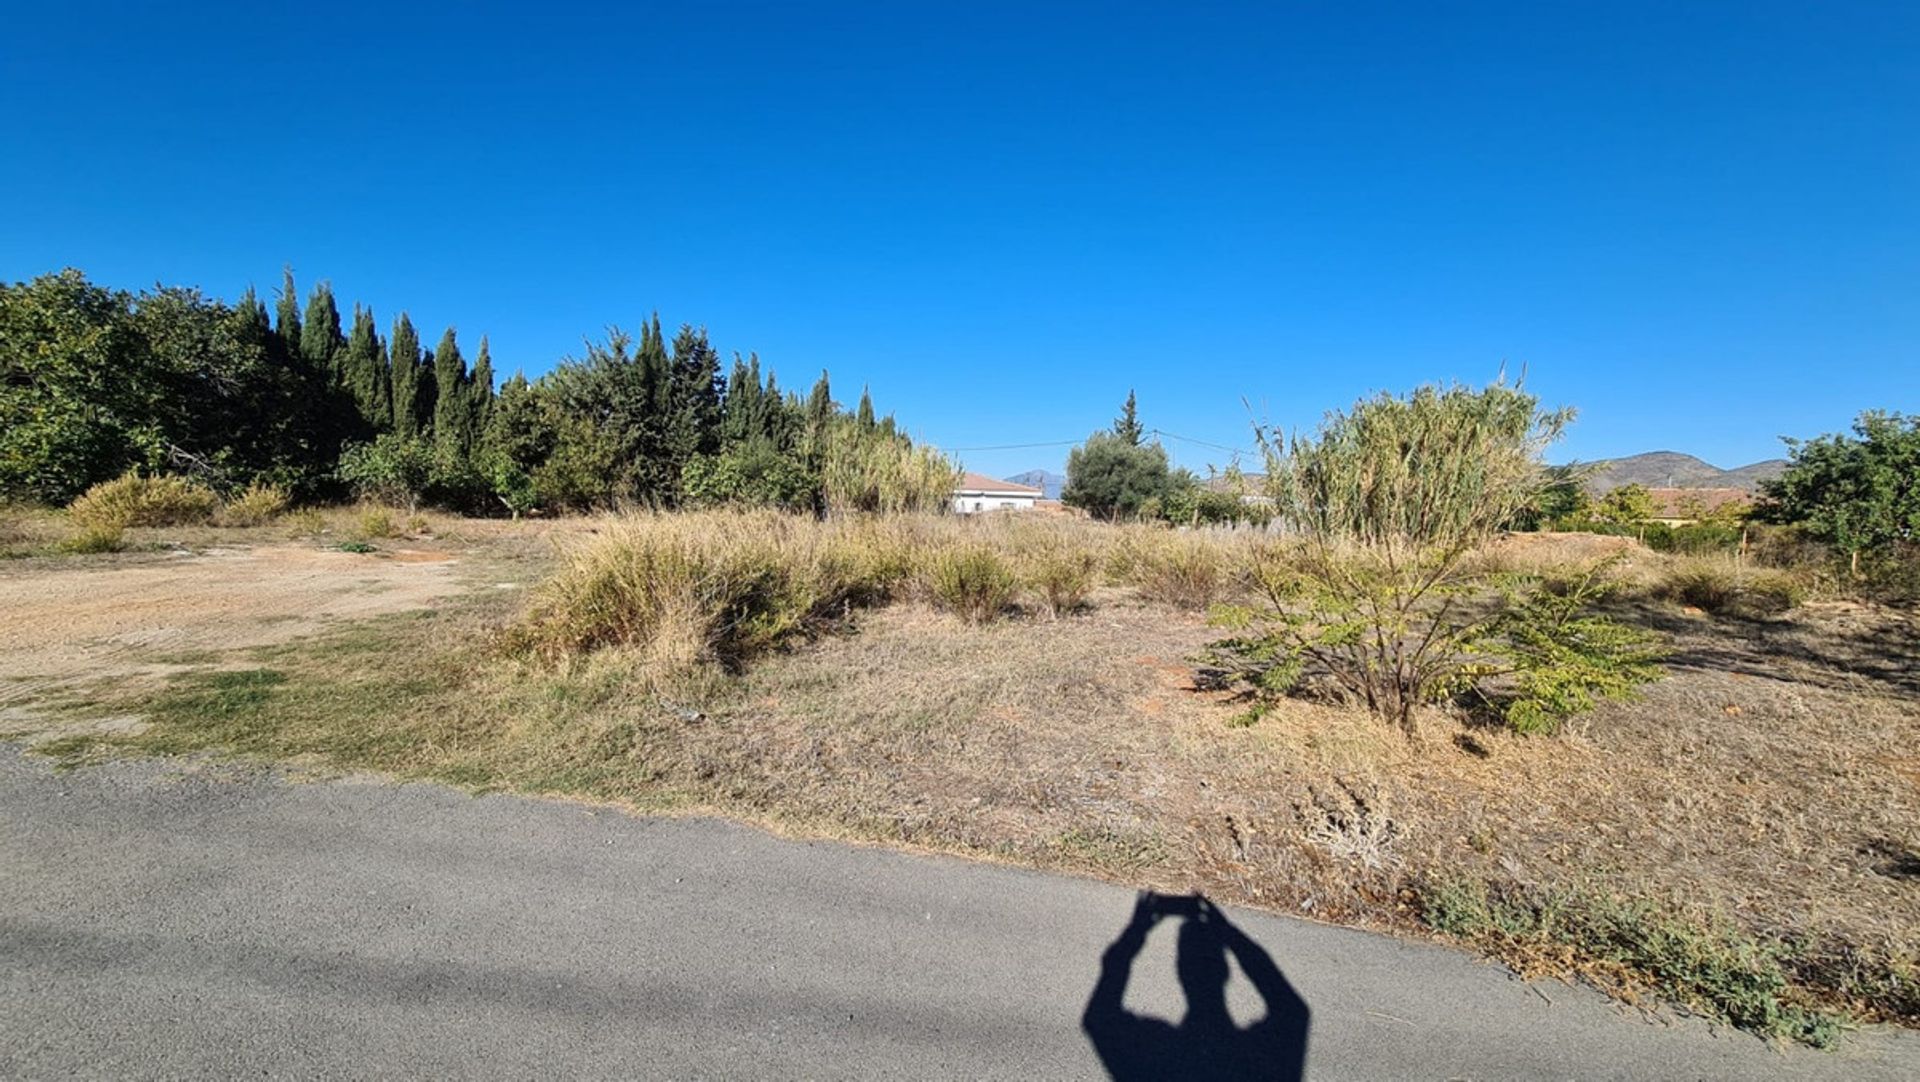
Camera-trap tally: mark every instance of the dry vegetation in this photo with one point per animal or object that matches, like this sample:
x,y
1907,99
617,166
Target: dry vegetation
x,y
1024,689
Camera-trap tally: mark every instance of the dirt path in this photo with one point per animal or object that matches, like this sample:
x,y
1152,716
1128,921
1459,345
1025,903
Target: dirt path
x,y
69,624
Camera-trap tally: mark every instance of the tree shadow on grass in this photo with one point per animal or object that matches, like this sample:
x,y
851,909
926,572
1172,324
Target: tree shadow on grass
x,y
1206,1044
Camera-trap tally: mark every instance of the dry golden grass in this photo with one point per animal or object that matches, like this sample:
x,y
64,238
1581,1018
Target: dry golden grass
x,y
1771,777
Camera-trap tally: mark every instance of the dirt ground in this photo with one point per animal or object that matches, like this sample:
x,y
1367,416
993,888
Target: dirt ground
x,y
132,618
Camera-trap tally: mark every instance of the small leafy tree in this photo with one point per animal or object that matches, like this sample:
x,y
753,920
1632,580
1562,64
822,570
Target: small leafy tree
x,y
1377,598
1112,478
1858,493
1625,506
392,469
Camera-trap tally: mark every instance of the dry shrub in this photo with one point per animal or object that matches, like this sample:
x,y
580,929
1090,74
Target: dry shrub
x,y
722,587
374,523
306,522
1187,569
1060,579
95,539
133,500
971,581
259,504
1723,588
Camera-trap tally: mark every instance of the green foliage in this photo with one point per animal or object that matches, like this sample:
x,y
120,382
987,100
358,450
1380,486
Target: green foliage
x,y
1707,964
94,383
1127,425
749,475
392,470
1859,493
1191,502
1625,506
1562,660
1377,601
972,582
134,500
1112,478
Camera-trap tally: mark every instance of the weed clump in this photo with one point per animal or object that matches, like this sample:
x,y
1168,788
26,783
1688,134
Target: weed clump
x,y
1061,578
257,505
973,581
132,500
1627,944
1185,569
1720,588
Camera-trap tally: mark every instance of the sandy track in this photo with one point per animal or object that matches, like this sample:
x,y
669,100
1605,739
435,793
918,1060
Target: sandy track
x,y
75,623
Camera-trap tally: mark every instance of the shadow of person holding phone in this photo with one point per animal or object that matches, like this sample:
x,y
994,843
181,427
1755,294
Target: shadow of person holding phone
x,y
1206,1044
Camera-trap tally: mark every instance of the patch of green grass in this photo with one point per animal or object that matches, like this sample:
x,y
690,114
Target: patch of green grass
x,y
360,547
1707,964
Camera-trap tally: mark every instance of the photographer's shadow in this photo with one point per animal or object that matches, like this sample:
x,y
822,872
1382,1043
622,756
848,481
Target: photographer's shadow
x,y
1206,1044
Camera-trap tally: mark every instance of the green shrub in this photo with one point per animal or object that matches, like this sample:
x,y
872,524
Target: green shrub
x,y
972,581
133,500
258,505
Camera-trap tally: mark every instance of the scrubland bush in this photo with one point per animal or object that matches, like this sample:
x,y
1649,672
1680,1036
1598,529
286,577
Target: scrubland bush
x,y
257,505
374,524
133,500
972,581
1723,588
1382,596
95,539
689,589
1186,569
1060,578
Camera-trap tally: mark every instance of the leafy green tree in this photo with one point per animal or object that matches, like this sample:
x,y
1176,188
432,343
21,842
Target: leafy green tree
x,y
1859,493
1627,505
412,391
392,469
750,475
1110,477
78,399
1127,425
452,407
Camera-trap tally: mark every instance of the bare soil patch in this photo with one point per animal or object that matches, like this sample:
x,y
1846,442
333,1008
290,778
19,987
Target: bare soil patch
x,y
73,622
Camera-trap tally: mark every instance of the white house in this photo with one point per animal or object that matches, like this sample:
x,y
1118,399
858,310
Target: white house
x,y
977,492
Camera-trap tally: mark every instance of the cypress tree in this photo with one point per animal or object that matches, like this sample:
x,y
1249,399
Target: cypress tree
x,y
364,371
1127,425
320,338
412,395
736,410
480,392
696,392
451,429
865,415
287,310
820,406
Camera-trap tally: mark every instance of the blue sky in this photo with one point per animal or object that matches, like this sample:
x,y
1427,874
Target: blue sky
x,y
1698,223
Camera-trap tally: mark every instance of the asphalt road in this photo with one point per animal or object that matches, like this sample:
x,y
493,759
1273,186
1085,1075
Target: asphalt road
x,y
167,920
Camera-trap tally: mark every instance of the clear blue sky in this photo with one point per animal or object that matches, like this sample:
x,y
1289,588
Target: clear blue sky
x,y
1699,223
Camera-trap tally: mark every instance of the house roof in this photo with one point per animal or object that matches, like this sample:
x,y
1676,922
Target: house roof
x,y
1677,502
980,482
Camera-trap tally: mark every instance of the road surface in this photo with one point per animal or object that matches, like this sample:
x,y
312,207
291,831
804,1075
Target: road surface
x,y
195,920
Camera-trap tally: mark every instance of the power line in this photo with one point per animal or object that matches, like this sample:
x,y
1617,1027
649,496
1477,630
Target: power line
x,y
1075,443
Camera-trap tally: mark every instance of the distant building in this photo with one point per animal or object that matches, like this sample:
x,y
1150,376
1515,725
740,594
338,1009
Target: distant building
x,y
977,493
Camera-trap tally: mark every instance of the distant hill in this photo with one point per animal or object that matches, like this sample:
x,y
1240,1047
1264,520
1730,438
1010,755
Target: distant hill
x,y
1048,483
1671,469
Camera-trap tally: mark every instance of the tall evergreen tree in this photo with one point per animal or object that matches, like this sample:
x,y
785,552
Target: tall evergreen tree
x,y
287,312
820,406
865,414
320,339
1127,425
364,371
412,394
452,428
480,392
696,393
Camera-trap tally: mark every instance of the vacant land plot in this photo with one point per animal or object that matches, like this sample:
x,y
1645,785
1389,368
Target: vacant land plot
x,y
1762,801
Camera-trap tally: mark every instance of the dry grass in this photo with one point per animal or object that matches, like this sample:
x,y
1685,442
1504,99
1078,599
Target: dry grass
x,y
1770,781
